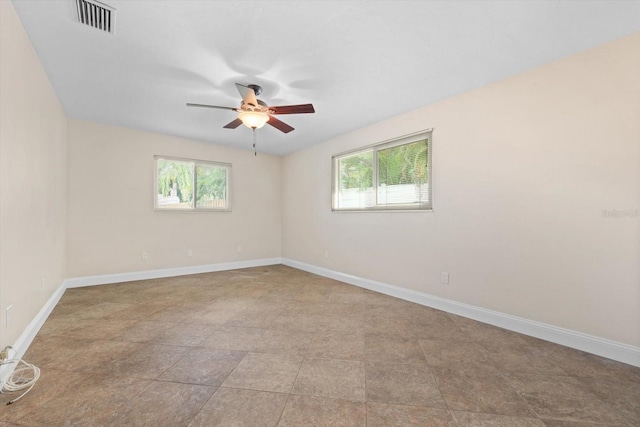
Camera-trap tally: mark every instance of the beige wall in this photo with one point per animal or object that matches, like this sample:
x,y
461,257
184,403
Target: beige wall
x,y
522,172
33,192
111,217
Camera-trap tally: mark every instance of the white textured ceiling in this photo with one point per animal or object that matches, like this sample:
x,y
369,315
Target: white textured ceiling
x,y
357,61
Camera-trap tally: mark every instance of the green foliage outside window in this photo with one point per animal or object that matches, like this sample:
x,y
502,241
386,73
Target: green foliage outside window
x,y
391,175
176,180
211,183
356,171
405,164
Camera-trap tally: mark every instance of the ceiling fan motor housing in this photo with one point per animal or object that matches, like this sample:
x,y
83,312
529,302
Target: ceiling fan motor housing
x,y
256,89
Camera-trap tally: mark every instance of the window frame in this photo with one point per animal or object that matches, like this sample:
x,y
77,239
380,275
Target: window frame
x,y
390,143
196,163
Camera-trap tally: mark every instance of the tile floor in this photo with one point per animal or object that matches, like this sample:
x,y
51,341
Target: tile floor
x,y
275,346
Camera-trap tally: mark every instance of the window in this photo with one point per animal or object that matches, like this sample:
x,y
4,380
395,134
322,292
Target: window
x,y
391,175
183,184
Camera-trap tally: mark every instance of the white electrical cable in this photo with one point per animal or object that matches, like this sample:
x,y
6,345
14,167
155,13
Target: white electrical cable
x,y
24,376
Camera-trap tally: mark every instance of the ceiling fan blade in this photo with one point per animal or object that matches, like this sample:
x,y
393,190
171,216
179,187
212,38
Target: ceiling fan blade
x,y
211,106
234,124
280,125
248,94
293,109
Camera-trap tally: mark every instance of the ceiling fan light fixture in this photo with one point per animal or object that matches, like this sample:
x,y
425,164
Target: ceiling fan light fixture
x,y
253,119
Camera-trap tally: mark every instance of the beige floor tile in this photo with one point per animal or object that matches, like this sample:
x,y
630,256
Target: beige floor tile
x,y
94,400
383,415
214,315
395,350
98,329
476,387
560,423
444,353
580,364
349,324
286,342
241,408
330,308
253,319
396,328
346,297
57,326
176,313
136,311
621,394
403,384
203,366
233,338
564,398
52,383
311,411
144,331
265,372
526,359
149,361
98,310
332,345
339,379
309,293
184,334
99,356
54,352
404,310
491,337
165,404
297,322
474,419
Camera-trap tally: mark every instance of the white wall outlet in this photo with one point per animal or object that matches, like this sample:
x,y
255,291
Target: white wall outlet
x,y
239,249
9,315
42,283
326,254
5,354
445,277
189,252
145,256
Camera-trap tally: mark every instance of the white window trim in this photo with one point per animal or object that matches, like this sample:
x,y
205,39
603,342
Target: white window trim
x,y
402,140
196,162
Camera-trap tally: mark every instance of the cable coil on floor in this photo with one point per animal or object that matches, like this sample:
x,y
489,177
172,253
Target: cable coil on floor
x,y
24,377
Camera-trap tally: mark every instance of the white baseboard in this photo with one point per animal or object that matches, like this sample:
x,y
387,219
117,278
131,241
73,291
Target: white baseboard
x,y
77,282
24,341
600,346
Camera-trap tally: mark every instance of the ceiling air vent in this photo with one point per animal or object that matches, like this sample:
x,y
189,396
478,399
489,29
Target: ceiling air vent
x,y
97,15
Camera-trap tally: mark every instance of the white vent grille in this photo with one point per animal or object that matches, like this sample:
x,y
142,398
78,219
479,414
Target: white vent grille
x,y
97,15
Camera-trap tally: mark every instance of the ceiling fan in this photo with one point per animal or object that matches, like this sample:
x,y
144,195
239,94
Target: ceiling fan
x,y
254,113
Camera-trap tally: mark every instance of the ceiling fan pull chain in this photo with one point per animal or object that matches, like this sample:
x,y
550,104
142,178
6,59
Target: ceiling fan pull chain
x,y
254,142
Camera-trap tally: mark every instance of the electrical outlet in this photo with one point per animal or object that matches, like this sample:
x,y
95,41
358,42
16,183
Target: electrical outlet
x,y
189,252
145,256
239,249
9,315
326,254
42,284
5,355
445,277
